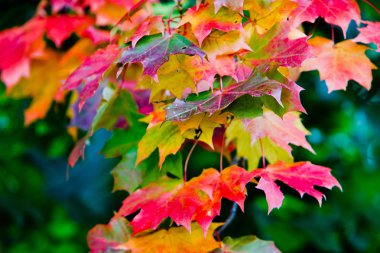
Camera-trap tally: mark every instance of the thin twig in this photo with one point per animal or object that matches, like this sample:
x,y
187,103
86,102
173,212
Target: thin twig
x,y
229,220
187,160
262,153
180,8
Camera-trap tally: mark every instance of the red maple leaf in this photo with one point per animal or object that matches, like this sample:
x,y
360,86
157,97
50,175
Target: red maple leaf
x,y
91,72
60,27
198,199
301,176
17,47
337,12
369,34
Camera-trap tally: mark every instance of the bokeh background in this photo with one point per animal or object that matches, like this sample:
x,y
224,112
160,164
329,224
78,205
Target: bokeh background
x,y
43,211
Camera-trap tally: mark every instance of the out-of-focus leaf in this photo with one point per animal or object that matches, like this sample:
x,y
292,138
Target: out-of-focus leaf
x,y
339,63
176,239
247,244
107,238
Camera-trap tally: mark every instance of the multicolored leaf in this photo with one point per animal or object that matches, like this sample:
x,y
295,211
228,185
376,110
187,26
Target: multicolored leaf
x,y
281,131
204,19
253,151
107,238
156,137
369,34
339,63
153,51
256,86
247,244
337,12
176,239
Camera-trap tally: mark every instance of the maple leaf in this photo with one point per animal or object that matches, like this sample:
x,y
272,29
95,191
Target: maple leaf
x,y
266,14
301,176
255,86
247,243
283,131
58,5
237,133
127,176
83,119
231,65
235,5
154,118
78,151
286,52
116,105
17,47
21,44
106,238
203,20
183,72
201,126
149,26
369,34
109,12
290,97
156,137
337,12
221,43
60,27
97,36
154,50
339,63
91,72
198,199
45,80
176,239
122,140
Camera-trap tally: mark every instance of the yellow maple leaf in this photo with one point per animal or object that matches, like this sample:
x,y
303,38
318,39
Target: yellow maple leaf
x,y
157,137
221,43
265,14
176,239
180,73
201,126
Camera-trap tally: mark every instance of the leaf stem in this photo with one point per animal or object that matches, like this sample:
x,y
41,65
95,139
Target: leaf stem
x,y
179,7
187,160
262,153
222,150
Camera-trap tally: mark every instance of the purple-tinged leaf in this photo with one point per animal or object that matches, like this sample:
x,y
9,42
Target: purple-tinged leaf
x,y
153,51
256,86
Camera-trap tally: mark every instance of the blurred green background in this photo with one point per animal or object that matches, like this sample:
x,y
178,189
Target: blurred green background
x,y
42,211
